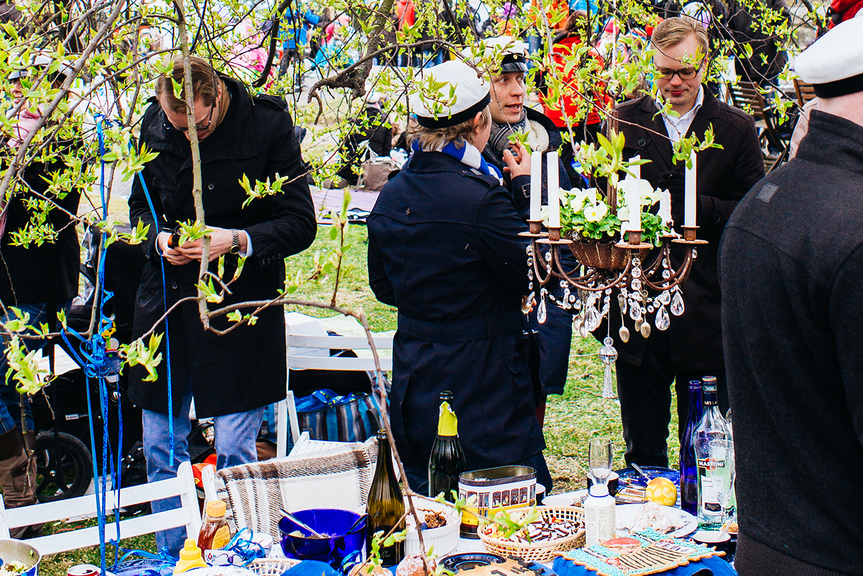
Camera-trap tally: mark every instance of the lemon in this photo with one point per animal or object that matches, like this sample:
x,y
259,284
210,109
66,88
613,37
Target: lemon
x,y
662,491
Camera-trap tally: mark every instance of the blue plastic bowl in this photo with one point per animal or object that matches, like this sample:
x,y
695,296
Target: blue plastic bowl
x,y
333,523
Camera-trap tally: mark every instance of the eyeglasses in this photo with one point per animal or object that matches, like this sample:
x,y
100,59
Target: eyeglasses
x,y
683,73
198,127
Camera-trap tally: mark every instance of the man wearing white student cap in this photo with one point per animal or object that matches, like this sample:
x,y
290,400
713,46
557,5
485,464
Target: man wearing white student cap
x,y
792,289
444,248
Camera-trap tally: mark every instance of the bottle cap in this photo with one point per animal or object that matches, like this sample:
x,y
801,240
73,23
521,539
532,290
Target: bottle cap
x,y
447,424
599,490
216,508
190,550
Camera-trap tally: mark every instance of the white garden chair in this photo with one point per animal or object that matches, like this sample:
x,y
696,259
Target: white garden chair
x,y
188,515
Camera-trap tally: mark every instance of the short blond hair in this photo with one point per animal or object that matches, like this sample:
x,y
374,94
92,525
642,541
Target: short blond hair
x,y
437,138
672,31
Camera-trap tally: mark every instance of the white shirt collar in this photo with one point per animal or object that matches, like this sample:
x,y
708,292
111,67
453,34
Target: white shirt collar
x,y
679,126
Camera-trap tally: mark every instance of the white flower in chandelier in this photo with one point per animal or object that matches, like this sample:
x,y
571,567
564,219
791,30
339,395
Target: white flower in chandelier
x,y
595,212
578,198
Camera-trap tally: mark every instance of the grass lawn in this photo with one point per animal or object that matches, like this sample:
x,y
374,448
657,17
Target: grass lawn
x,y
571,419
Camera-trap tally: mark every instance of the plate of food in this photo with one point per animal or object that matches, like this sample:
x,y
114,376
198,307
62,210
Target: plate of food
x,y
664,519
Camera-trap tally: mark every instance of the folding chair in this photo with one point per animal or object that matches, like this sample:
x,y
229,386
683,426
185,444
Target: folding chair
x,y
747,97
805,91
287,412
187,515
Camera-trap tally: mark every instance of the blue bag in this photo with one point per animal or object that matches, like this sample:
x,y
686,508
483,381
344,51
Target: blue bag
x,y
327,416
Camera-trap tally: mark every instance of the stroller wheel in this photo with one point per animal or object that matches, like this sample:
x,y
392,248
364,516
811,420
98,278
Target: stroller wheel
x,y
64,468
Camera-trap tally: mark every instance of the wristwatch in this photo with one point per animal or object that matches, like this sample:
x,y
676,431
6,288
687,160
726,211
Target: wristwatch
x,y
235,242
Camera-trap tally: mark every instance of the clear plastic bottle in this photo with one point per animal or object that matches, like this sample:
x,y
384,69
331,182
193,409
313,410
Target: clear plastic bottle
x,y
711,427
600,521
215,532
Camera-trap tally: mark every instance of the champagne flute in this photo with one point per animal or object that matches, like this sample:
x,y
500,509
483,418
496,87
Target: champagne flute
x,y
722,474
599,457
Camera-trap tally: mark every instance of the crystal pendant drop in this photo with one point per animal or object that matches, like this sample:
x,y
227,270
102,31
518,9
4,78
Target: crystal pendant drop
x,y
540,312
608,355
662,320
592,319
664,298
677,307
635,312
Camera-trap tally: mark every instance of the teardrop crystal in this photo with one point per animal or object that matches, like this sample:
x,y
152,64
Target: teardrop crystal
x,y
592,319
662,320
635,312
540,312
677,307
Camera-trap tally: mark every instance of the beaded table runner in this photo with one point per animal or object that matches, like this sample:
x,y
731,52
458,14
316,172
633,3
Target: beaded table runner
x,y
647,552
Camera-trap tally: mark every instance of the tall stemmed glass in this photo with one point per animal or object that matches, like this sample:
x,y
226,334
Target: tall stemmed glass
x,y
722,474
599,456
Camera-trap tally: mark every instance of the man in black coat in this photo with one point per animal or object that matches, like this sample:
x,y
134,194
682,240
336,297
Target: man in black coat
x,y
791,263
234,376
692,346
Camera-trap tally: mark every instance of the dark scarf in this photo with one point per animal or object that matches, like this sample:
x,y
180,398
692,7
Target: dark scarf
x,y
498,140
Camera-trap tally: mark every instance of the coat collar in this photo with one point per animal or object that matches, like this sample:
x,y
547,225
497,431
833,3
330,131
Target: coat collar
x,y
233,139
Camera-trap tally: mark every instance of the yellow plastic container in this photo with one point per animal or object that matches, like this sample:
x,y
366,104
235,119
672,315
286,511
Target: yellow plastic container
x,y
190,557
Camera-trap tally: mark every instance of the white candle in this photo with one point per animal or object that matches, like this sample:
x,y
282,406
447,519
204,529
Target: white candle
x,y
633,203
665,207
689,198
636,170
553,191
535,184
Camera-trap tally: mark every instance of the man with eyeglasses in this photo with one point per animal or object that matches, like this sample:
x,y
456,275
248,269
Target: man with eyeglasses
x,y
692,346
231,377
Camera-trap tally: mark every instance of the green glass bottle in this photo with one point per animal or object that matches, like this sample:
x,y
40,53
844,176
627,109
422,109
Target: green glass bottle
x,y
447,459
386,504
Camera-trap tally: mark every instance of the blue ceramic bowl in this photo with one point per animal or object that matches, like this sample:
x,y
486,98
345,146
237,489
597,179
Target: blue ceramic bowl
x,y
333,523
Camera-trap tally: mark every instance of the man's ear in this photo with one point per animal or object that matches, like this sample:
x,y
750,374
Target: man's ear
x,y
476,120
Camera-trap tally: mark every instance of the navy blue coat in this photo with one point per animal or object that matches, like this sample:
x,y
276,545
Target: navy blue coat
x,y
444,249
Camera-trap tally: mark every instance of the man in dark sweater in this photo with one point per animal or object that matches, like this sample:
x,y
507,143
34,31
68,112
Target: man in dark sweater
x,y
792,286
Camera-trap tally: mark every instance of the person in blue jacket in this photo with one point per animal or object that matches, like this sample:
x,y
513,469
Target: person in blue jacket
x,y
294,34
444,248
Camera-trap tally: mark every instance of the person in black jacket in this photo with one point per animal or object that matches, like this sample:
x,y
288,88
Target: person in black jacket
x,y
39,278
692,346
444,248
791,267
549,340
232,377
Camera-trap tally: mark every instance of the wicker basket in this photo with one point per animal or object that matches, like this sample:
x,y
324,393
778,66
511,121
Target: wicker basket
x,y
537,551
271,566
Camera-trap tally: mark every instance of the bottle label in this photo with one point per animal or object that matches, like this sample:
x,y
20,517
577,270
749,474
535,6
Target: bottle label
x,y
447,424
221,538
599,522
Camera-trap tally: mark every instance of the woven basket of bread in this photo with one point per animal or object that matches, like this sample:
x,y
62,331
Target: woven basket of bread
x,y
271,566
537,550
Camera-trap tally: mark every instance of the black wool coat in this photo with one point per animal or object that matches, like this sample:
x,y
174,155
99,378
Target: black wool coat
x,y
791,268
245,368
724,177
444,249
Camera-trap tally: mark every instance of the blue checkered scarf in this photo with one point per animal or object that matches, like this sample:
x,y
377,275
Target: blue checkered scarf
x,y
468,155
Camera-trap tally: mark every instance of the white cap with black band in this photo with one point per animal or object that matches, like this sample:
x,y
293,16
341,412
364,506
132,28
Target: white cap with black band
x,y
471,96
834,63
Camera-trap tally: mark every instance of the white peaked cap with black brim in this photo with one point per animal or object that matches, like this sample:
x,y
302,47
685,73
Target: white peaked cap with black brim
x,y
471,96
515,53
834,63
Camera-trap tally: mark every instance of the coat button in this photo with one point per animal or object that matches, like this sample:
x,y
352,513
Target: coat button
x,y
642,142
174,285
210,186
408,212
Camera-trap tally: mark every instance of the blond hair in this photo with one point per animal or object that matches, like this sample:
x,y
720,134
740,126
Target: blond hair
x,y
437,138
673,31
204,81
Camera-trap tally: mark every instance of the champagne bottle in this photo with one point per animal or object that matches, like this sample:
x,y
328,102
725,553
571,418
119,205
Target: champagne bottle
x,y
711,427
688,464
386,505
447,459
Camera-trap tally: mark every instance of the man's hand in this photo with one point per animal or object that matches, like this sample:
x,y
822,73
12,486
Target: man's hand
x,y
518,163
221,240
174,256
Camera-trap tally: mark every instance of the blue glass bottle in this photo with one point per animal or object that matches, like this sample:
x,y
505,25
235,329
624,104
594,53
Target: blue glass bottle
x,y
688,463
